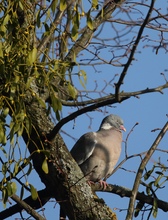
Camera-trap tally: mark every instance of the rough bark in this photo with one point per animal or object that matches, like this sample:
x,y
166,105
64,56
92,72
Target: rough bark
x,y
65,180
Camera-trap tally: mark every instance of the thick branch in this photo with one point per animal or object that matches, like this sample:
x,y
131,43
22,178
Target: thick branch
x,y
125,192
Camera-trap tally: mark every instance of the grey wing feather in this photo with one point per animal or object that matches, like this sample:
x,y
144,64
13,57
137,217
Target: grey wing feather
x,y
83,148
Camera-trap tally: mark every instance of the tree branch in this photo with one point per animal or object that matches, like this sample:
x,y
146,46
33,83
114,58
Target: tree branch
x,y
18,208
46,39
135,45
28,204
125,192
107,100
112,96
75,114
86,36
141,169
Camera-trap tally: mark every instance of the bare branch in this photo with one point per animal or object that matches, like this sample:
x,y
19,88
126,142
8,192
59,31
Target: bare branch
x,y
141,169
28,208
125,192
85,38
127,65
80,112
43,198
46,39
111,96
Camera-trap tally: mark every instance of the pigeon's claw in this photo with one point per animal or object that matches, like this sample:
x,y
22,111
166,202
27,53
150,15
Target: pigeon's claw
x,y
103,183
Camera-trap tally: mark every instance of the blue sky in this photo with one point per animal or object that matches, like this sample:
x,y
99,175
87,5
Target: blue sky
x,y
149,111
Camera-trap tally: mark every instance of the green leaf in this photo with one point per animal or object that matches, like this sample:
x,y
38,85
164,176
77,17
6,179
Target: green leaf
x,y
38,21
20,131
72,91
3,138
149,187
29,81
57,115
95,3
74,32
102,13
4,168
2,134
82,78
47,28
28,125
77,18
22,192
14,187
84,75
32,56
34,193
45,152
75,28
155,208
56,103
159,173
4,196
156,183
5,111
3,150
41,102
48,15
12,126
16,168
45,166
16,127
9,188
30,169
3,28
63,5
148,173
138,208
6,19
74,56
54,5
21,116
21,6
1,49
89,20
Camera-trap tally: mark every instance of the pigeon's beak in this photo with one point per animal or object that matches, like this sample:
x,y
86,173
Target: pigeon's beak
x,y
122,128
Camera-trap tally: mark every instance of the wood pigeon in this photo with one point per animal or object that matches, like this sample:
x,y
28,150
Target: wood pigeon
x,y
97,153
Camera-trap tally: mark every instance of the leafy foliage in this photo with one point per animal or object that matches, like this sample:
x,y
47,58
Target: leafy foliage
x,y
41,62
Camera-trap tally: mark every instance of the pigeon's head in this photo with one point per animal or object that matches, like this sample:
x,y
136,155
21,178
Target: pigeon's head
x,y
112,121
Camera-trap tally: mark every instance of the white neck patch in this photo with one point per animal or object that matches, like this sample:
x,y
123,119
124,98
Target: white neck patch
x,y
106,126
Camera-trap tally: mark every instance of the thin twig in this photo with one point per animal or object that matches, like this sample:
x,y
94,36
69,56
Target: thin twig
x,y
141,169
135,45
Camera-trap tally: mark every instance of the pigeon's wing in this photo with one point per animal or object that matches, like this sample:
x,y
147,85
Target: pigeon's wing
x,y
110,142
84,147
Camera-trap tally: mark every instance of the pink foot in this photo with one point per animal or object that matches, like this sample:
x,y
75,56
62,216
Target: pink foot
x,y
90,182
103,183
